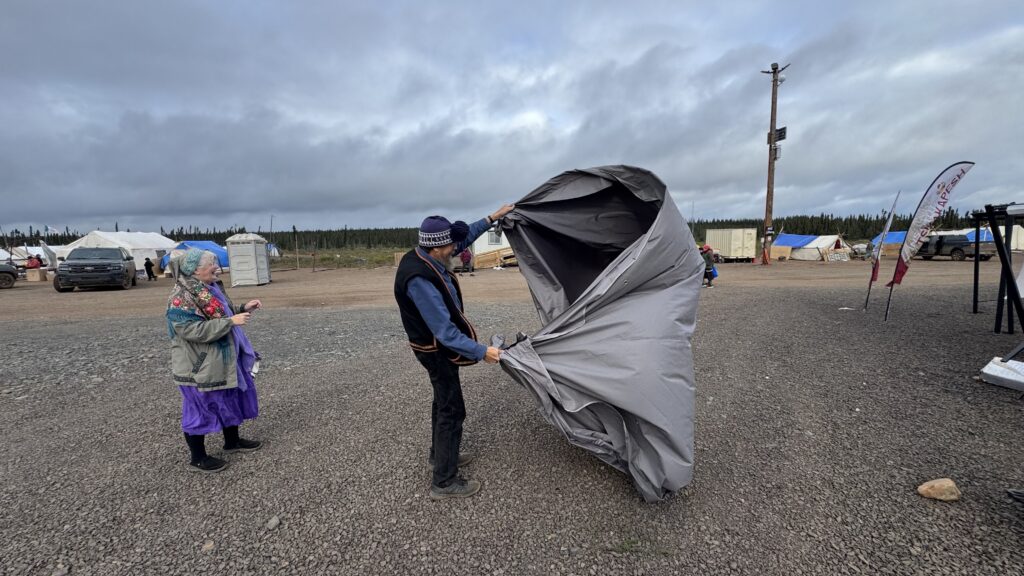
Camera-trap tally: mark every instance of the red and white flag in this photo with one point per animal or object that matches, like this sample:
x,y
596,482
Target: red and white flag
x,y
881,239
933,204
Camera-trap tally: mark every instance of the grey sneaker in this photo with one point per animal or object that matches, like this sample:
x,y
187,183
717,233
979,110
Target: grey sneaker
x,y
460,488
464,460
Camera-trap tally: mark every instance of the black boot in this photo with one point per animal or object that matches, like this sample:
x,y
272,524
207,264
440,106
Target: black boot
x,y
232,443
201,462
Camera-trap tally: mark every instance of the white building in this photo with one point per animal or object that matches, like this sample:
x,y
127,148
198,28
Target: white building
x,y
489,242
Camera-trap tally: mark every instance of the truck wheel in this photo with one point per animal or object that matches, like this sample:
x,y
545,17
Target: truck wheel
x,y
6,280
985,257
59,288
134,280
127,283
926,257
957,255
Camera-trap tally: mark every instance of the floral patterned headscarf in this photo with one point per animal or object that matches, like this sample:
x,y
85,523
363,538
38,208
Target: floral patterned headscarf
x,y
191,299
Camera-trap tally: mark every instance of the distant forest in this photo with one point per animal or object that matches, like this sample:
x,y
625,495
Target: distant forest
x,y
853,228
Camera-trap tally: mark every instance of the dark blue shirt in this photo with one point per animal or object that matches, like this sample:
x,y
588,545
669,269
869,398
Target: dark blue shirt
x,y
431,304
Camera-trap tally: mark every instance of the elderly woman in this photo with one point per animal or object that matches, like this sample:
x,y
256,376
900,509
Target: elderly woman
x,y
211,359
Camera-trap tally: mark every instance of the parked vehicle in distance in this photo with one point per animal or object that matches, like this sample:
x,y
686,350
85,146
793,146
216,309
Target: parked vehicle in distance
x,y
956,246
8,274
92,267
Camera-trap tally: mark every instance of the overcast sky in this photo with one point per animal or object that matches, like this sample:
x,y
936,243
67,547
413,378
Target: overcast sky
x,y
367,114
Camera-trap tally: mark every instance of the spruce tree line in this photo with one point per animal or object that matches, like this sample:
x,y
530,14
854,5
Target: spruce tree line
x,y
286,240
853,228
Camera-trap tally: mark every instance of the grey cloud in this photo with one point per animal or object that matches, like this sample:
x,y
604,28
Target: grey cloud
x,y
330,113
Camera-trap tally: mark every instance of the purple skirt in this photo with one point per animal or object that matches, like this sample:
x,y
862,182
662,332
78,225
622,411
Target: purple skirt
x,y
209,412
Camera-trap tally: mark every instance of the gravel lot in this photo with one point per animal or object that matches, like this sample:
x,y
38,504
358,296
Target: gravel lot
x,y
815,426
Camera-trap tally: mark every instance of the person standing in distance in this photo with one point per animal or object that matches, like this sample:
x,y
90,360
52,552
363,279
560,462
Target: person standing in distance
x,y
149,270
442,338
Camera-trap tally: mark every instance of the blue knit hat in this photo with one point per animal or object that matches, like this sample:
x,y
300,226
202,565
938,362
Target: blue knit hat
x,y
438,231
190,261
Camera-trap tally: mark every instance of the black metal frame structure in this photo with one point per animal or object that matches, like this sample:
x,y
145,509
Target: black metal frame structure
x,y
1008,289
991,216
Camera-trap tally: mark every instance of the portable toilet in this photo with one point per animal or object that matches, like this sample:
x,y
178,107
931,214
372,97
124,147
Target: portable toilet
x,y
250,264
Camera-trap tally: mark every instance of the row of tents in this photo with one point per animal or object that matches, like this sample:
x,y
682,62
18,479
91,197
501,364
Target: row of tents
x,y
834,247
246,255
893,240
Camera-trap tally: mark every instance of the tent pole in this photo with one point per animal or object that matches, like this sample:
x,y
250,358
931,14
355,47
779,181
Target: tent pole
x,y
871,281
1007,241
888,303
977,262
1012,291
1000,301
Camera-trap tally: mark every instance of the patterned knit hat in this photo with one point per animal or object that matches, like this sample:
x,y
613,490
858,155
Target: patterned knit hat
x,y
438,231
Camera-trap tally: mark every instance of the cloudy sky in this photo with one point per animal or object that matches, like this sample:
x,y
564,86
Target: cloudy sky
x,y
365,114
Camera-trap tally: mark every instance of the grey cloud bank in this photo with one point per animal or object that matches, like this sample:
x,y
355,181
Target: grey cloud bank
x,y
330,114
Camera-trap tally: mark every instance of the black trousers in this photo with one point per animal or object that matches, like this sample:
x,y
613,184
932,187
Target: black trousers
x,y
447,412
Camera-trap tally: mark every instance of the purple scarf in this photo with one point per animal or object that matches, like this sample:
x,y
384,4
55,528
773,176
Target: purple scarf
x,y
243,348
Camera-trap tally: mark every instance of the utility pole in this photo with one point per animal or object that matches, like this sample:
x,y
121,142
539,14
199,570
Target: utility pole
x,y
773,154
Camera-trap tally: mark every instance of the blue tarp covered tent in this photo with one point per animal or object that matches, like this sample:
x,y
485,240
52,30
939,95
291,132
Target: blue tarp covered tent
x,y
891,238
986,235
222,254
794,240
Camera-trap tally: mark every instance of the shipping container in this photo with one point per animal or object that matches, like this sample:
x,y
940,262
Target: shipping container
x,y
733,243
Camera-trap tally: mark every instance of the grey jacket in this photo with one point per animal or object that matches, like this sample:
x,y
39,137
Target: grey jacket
x,y
203,353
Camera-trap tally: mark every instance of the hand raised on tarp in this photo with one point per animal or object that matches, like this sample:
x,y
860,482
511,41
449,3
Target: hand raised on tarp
x,y
502,211
493,355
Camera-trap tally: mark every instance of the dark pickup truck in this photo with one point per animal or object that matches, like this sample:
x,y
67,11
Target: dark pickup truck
x,y
956,246
8,274
92,267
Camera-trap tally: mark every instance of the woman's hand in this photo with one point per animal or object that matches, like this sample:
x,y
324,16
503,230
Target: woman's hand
x,y
493,355
252,305
240,319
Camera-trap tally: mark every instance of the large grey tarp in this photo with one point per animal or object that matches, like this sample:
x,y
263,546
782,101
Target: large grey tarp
x,y
615,275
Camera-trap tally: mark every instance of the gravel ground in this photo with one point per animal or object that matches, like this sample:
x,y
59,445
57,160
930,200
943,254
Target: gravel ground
x,y
815,425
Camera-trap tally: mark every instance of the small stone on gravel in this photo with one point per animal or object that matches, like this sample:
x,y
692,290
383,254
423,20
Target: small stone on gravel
x,y
940,489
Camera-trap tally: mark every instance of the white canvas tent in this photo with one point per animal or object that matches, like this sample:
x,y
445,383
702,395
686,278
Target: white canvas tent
x,y
20,254
818,248
140,245
250,263
50,254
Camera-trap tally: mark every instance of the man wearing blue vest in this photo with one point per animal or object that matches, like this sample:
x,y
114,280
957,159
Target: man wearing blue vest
x,y
442,338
